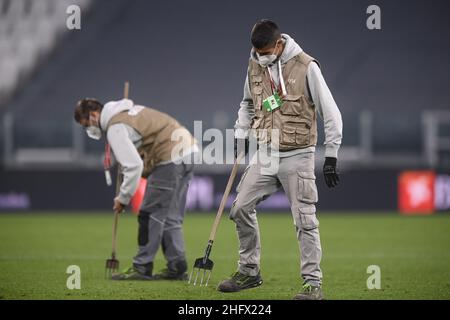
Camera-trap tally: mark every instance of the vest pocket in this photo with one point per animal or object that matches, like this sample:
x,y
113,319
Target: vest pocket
x,y
258,129
302,135
291,105
257,89
288,135
257,122
257,78
257,97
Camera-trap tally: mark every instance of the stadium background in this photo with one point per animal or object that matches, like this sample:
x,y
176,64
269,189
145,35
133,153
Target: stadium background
x,y
189,58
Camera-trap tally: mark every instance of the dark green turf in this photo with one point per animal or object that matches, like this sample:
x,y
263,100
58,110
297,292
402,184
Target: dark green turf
x,y
413,253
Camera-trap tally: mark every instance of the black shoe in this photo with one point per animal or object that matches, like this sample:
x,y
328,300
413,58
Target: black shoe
x,y
239,281
174,271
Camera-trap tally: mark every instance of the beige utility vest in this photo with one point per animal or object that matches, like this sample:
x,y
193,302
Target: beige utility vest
x,y
156,129
295,119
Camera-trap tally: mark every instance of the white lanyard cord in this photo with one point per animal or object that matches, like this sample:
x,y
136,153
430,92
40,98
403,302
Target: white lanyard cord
x,y
280,75
283,87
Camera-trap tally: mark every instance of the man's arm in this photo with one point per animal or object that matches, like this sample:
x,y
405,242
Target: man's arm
x,y
327,109
245,114
243,123
128,157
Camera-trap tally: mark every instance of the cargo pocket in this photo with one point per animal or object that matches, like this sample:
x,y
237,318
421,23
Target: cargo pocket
x,y
302,134
257,90
291,105
158,195
288,135
257,79
258,128
308,219
257,122
307,189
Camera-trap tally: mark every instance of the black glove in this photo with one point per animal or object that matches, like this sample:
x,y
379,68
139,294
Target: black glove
x,y
330,172
238,145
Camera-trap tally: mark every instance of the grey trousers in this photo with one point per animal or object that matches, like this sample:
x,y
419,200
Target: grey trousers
x,y
295,175
162,212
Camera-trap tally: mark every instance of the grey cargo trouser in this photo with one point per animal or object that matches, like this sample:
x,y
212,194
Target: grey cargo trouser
x,y
296,175
162,212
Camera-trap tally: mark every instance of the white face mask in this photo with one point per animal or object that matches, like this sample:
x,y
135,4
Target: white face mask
x,y
94,132
268,59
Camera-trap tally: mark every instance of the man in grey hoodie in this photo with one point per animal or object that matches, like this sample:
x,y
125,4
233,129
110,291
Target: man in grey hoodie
x,y
284,90
144,142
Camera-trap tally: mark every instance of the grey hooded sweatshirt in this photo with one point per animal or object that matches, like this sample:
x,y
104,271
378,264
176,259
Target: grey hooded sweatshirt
x,y
320,94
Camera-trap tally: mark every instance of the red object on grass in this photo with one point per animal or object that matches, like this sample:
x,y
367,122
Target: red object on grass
x,y
136,201
416,192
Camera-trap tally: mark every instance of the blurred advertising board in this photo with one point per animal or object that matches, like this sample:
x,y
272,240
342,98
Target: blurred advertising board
x,y
423,192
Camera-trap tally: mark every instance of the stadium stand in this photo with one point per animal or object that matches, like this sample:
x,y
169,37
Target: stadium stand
x,y
191,63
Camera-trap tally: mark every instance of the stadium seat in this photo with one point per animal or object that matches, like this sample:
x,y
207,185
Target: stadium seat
x,y
28,32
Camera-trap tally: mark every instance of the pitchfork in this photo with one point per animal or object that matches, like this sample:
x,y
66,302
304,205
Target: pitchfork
x,y
112,265
204,263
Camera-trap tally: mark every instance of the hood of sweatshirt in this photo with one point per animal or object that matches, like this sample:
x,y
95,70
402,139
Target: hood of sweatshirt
x,y
291,49
111,109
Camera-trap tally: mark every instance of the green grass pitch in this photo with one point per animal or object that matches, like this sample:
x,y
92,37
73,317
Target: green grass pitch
x,y
412,252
